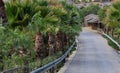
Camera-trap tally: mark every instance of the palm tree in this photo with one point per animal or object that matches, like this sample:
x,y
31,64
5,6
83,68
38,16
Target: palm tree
x,y
67,29
44,20
50,22
20,13
112,17
115,14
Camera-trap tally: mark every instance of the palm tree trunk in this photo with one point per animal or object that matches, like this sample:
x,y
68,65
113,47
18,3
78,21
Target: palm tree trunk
x,y
3,12
118,36
64,41
104,30
58,43
51,43
68,40
112,32
1,61
40,46
107,31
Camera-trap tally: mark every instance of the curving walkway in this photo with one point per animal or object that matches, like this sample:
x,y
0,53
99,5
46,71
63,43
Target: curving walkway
x,y
93,55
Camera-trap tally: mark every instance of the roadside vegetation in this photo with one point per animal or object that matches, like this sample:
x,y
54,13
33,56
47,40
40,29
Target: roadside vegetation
x,y
110,17
113,45
37,32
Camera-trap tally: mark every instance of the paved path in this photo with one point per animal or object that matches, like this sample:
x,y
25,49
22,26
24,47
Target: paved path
x,y
94,55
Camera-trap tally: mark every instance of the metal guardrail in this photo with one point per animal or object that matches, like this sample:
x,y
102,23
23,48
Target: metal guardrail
x,y
103,33
116,43
54,63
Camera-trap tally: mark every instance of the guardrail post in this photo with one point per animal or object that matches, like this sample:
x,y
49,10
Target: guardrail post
x,y
55,69
64,60
51,70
